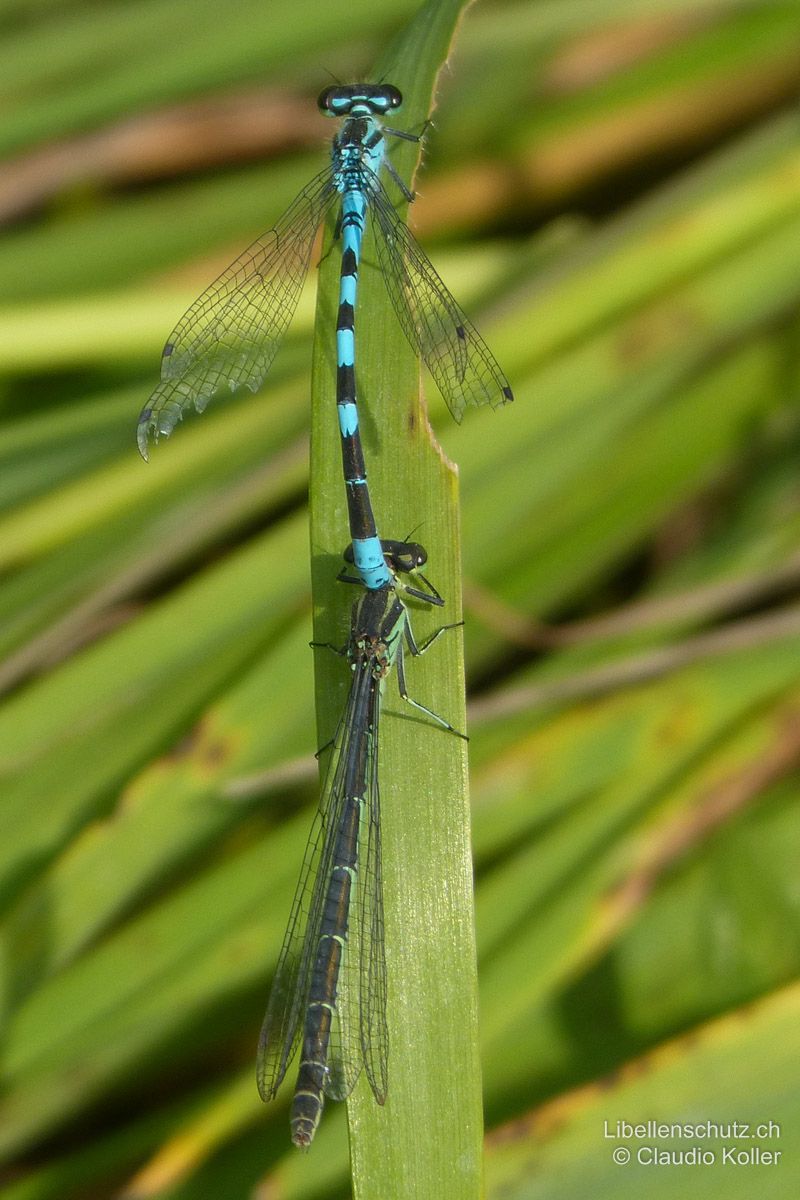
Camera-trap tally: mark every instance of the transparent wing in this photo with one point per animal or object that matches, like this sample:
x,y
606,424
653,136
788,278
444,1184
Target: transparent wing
x,y
283,1022
373,1026
288,1000
231,333
465,370
282,1029
361,780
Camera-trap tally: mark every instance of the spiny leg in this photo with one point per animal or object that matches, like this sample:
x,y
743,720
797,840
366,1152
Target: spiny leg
x,y
401,686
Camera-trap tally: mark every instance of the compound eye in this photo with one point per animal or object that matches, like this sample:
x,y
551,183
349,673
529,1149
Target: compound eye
x,y
394,96
332,102
397,556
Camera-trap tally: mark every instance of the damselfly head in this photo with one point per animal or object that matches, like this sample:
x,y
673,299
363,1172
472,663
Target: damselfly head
x,y
401,557
404,557
359,99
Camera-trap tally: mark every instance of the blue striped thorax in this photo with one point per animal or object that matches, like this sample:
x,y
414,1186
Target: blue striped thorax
x,y
360,141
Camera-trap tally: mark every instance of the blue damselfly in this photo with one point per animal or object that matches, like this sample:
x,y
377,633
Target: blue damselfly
x,y
230,335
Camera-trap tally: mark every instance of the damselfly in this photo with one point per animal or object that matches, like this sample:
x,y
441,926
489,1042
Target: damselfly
x,y
329,990
230,335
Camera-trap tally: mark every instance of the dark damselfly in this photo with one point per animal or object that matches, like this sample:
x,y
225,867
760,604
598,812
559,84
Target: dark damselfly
x,y
329,992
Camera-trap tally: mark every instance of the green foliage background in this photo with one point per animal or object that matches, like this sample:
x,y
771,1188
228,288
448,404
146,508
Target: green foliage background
x,y
614,191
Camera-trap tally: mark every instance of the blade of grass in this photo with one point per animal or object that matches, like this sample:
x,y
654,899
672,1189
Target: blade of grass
x,y
68,741
408,1147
